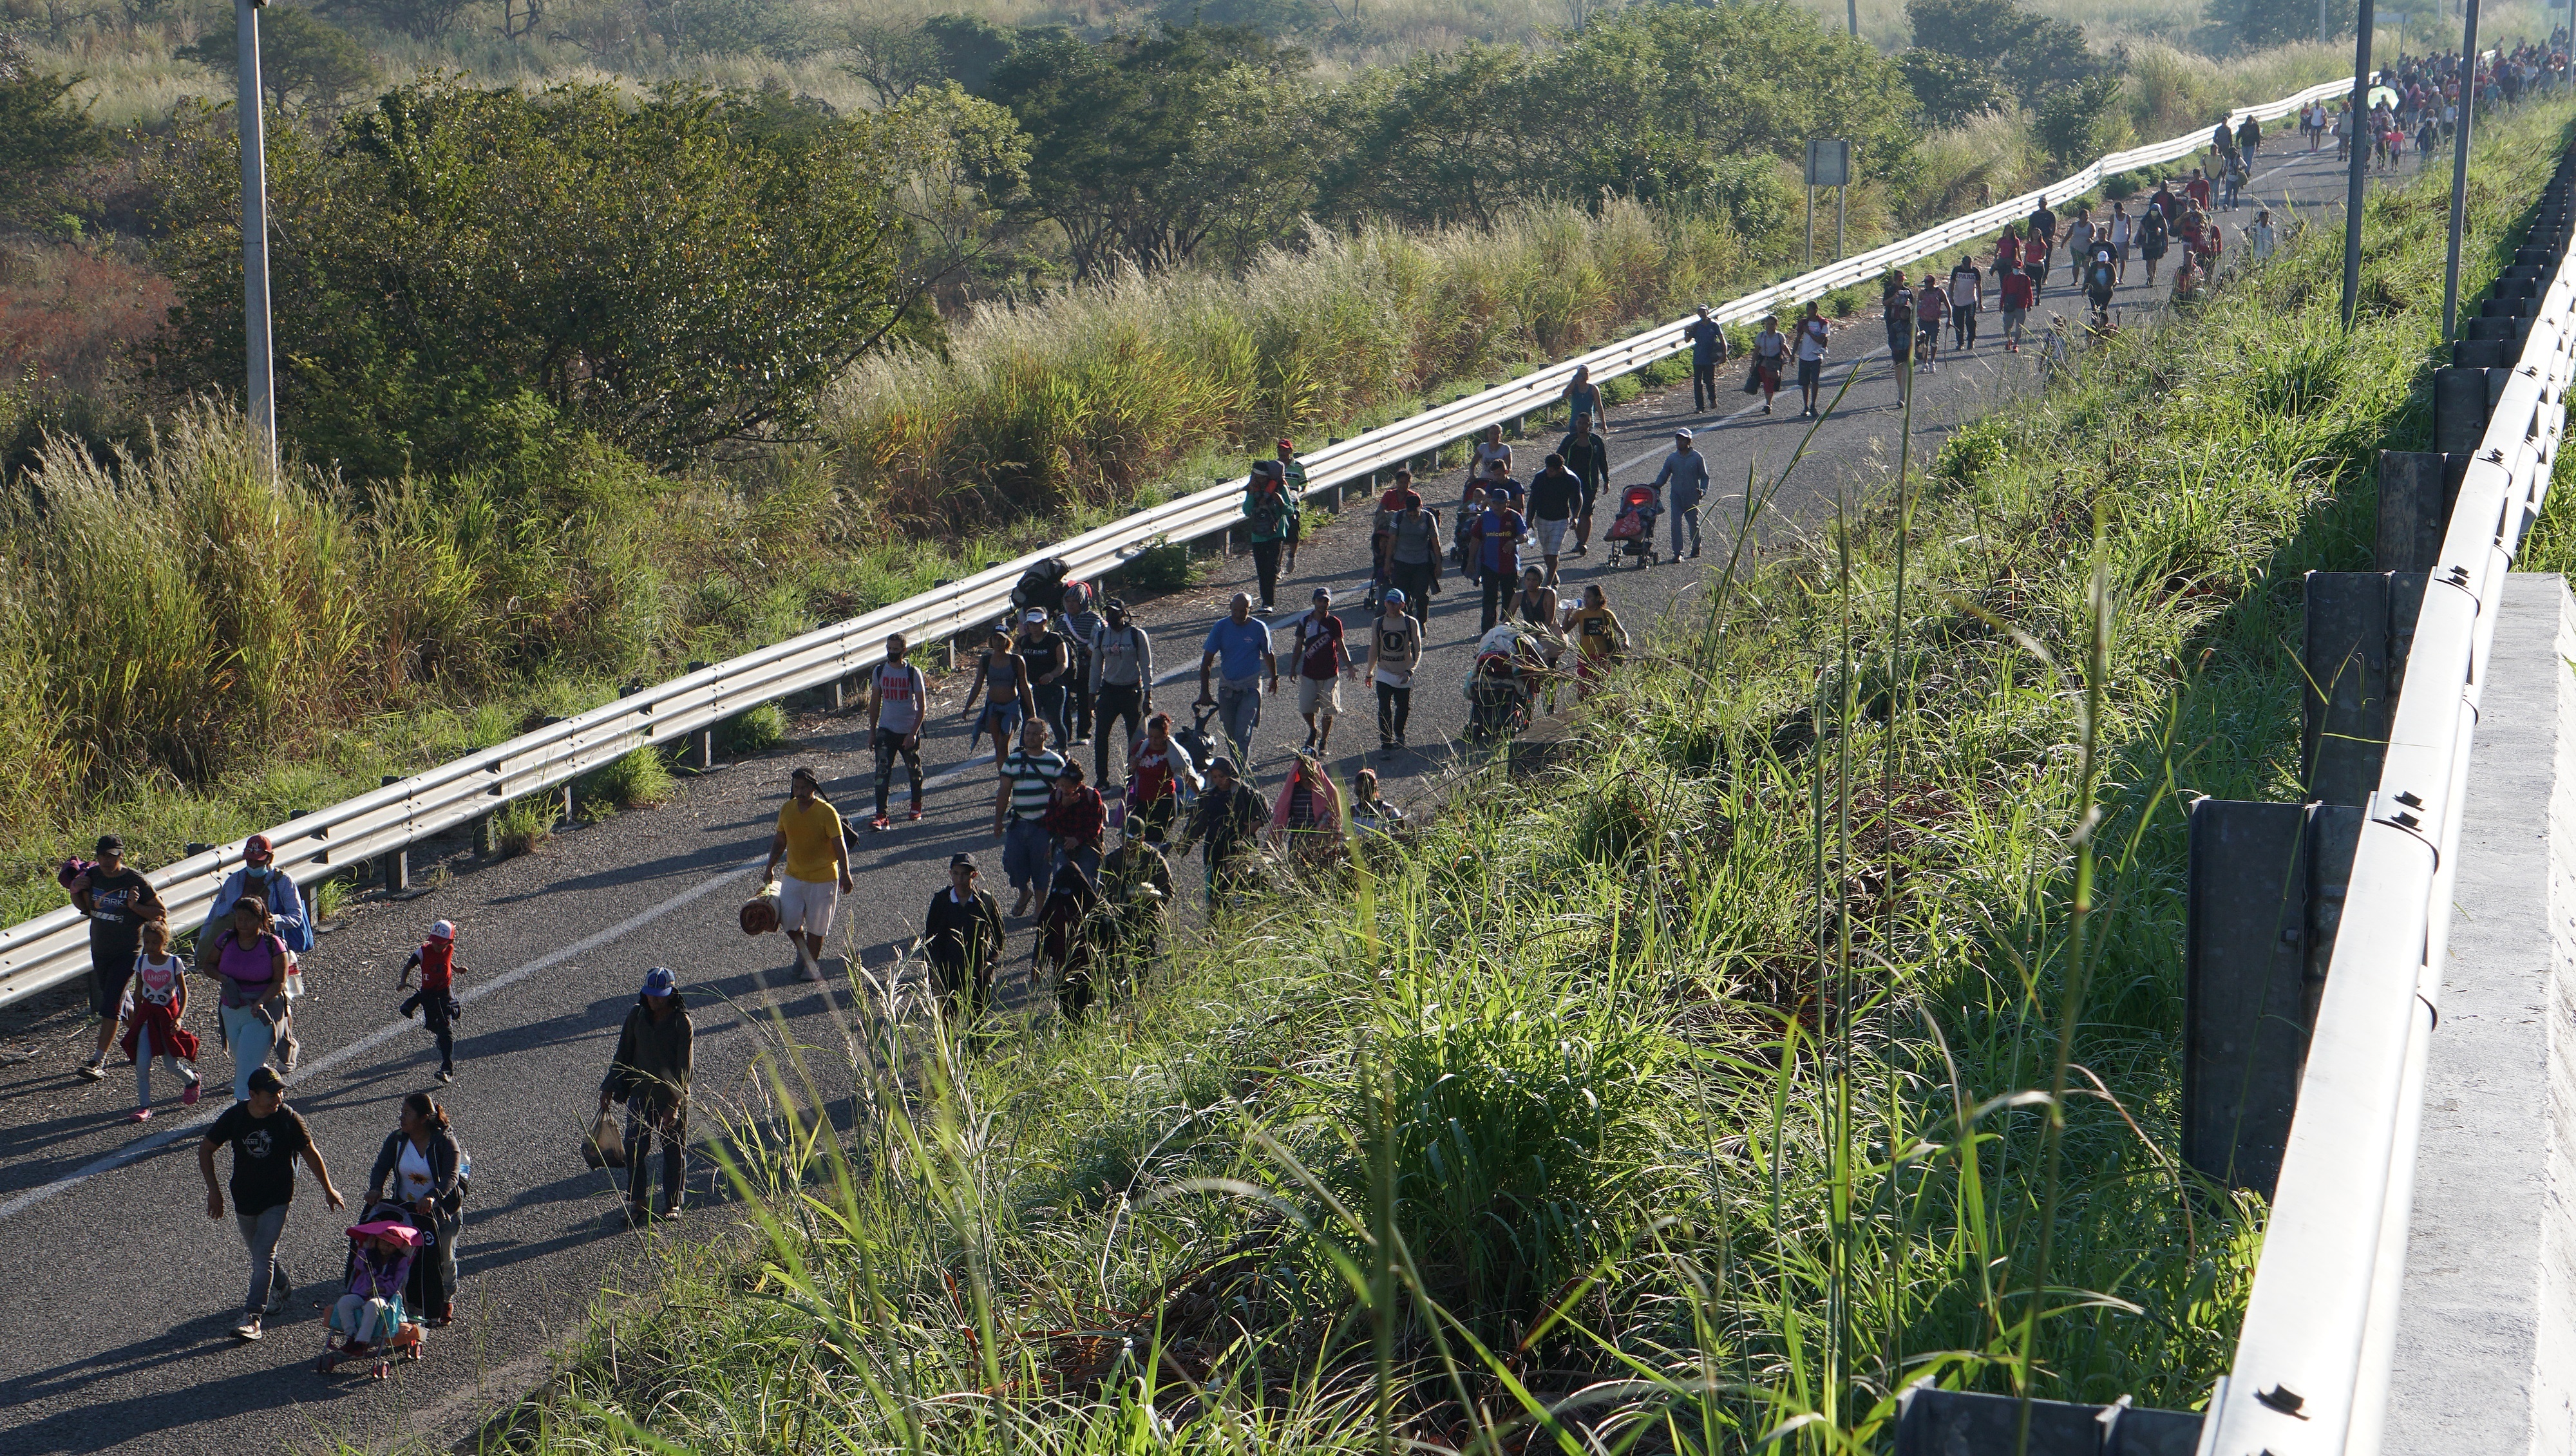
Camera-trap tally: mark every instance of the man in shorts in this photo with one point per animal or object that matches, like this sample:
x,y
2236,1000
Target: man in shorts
x,y
118,901
1554,495
1322,658
1019,814
1814,337
818,870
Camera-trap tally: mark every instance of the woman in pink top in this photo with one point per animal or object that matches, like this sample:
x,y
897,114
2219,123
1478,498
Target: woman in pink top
x,y
251,962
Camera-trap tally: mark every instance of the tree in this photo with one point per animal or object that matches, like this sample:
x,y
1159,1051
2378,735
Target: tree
x,y
1143,146
2032,53
1695,107
2080,122
1951,89
2251,25
419,19
42,135
305,64
456,271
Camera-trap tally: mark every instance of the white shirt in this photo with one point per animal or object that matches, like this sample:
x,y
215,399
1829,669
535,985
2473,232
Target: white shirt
x,y
2120,231
411,1170
1811,338
1493,450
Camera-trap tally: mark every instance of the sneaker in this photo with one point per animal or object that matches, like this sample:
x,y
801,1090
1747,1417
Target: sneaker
x,y
1766,409
189,1097
916,811
670,1215
881,822
1694,553
447,1074
140,1114
248,1329
94,1070
294,1051
1580,550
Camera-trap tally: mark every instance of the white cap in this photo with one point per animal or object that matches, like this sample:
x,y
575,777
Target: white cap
x,y
1034,614
441,930
1683,433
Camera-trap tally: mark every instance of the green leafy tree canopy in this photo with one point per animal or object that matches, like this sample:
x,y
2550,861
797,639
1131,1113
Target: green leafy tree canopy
x,y
458,269
305,63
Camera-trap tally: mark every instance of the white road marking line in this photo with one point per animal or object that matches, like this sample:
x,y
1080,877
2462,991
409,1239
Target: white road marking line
x,y
374,1039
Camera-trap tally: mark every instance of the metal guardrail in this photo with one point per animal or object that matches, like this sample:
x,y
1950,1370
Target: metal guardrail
x,y
2313,1361
45,951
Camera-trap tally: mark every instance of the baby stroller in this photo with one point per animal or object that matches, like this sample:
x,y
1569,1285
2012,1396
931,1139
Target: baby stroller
x,y
1632,531
1503,685
369,1321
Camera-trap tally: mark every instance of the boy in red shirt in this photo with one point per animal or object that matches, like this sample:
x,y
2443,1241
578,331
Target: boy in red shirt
x,y
436,998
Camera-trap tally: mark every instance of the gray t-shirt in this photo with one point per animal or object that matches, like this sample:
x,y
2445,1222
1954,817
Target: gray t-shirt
x,y
1413,538
902,693
1121,657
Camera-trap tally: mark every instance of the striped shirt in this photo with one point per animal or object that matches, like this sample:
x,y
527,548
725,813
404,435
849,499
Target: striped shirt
x,y
1032,777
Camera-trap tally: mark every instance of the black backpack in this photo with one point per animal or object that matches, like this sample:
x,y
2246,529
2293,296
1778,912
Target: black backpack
x,y
1042,586
1266,510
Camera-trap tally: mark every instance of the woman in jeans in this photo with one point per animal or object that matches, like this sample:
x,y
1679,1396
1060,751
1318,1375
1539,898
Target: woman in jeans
x,y
421,1167
250,961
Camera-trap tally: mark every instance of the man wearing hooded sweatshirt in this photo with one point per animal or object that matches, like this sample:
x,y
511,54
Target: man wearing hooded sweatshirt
x,y
650,1074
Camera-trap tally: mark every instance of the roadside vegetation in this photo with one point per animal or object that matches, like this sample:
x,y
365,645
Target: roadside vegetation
x,y
1807,1029
529,459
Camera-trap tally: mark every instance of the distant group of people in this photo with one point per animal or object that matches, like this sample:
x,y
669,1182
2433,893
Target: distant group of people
x,y
2415,102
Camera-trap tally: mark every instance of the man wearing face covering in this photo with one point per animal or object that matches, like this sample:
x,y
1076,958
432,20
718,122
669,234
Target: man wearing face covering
x,y
261,879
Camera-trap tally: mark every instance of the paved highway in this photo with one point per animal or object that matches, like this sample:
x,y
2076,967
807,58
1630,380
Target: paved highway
x,y
119,1291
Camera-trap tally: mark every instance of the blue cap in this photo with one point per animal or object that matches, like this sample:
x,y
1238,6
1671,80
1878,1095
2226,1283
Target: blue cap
x,y
660,982
1393,597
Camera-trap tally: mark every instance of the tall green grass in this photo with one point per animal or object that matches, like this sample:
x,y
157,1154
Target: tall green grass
x,y
1811,1029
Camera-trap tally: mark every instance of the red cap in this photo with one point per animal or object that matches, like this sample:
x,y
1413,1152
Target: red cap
x,y
257,849
1286,444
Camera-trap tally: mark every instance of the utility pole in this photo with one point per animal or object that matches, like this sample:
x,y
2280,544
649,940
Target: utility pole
x,y
2357,118
1854,7
261,391
2460,172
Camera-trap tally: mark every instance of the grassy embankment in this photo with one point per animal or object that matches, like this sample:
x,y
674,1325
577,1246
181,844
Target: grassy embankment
x,y
1697,1090
175,690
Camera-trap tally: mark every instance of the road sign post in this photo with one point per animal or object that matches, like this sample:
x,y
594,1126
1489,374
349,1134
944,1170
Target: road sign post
x,y
1828,165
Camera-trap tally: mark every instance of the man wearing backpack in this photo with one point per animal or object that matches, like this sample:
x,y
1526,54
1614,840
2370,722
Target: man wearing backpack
x,y
1588,456
1322,658
1413,551
1269,520
1292,472
1896,306
1122,685
1080,626
1967,300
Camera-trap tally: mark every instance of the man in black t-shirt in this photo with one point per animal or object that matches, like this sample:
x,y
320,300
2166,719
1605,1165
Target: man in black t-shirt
x,y
117,901
1052,663
1553,496
267,1137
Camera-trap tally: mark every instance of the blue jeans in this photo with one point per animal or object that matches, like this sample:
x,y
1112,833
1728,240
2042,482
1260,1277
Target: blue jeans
x,y
1028,854
249,1035
1238,706
1086,857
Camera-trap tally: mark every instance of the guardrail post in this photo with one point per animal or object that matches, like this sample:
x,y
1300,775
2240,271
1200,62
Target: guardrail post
x,y
2359,625
706,749
396,868
836,693
2417,489
2263,899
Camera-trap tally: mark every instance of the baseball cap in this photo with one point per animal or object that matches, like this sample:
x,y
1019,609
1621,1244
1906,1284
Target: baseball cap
x,y
1323,594
442,930
1221,764
111,844
257,849
961,861
265,1079
1393,598
1034,614
660,982
1683,433
1287,444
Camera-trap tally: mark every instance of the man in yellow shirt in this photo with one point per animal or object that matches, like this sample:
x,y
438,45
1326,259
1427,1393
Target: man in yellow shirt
x,y
818,870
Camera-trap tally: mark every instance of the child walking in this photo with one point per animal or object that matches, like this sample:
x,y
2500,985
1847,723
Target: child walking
x,y
153,1027
436,998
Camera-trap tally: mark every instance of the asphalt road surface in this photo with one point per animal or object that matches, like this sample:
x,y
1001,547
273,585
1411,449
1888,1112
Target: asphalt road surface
x,y
119,1292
